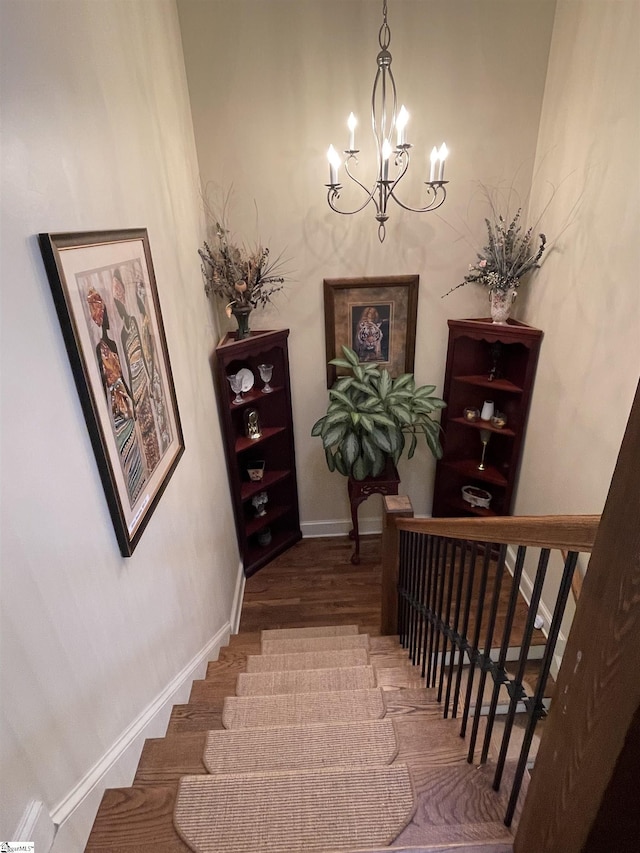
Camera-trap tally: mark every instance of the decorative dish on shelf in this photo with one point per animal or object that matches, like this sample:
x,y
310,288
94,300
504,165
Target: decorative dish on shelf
x,y
247,379
476,497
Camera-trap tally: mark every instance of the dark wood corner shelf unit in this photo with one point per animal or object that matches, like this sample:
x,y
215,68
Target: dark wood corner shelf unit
x,y
485,361
280,524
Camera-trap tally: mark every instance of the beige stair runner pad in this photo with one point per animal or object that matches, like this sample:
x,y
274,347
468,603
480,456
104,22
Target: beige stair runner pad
x,y
296,709
302,633
295,811
305,681
301,747
307,660
315,644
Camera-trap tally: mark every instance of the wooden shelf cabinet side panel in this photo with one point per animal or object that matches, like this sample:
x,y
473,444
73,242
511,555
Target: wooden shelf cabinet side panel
x,y
275,446
475,348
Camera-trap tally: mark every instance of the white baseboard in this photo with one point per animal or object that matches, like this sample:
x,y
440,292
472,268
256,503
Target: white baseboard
x,y
526,588
313,529
74,815
236,607
37,826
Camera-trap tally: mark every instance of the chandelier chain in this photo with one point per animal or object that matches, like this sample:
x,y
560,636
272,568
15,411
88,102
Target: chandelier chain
x,y
384,36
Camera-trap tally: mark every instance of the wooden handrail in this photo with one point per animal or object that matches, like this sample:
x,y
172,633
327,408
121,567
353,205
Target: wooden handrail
x,y
568,532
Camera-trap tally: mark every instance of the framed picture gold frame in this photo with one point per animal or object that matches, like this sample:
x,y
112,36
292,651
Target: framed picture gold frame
x,y
105,293
376,317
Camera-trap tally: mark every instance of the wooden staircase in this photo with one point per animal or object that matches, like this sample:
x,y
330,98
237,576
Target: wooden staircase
x,y
457,808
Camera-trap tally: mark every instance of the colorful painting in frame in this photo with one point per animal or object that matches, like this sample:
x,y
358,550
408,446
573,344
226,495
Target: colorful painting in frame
x,y
105,294
376,317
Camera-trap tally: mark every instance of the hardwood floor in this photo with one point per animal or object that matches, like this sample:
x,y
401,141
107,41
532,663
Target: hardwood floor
x,y
314,583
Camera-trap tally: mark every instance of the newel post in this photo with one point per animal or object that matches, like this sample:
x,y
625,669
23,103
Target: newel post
x,y
395,506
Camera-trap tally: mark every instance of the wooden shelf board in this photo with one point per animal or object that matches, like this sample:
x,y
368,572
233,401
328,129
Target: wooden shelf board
x,y
483,425
248,490
253,395
244,443
469,468
273,514
483,381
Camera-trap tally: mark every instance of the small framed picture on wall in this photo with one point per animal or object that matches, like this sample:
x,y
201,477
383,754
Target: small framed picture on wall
x,y
376,317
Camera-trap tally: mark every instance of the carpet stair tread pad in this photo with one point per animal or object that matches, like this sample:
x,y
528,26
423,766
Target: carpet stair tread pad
x,y
307,810
307,660
305,681
298,633
315,644
370,743
295,709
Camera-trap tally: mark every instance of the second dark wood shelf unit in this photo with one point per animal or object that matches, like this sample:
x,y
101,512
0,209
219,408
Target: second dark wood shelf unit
x,y
485,360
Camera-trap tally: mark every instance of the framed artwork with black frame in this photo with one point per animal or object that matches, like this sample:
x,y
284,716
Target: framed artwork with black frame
x,y
105,293
376,317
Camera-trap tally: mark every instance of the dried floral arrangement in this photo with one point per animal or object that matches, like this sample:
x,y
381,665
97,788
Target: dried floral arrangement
x,y
234,272
511,252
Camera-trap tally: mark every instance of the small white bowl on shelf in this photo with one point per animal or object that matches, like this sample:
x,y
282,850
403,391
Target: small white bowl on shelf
x,y
476,497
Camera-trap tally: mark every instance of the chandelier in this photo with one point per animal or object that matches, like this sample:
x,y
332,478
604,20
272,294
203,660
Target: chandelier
x,y
385,121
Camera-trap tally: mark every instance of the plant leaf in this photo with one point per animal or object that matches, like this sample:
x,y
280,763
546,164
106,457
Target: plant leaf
x,y
403,381
385,384
341,362
381,438
434,445
367,422
382,419
340,466
339,395
334,435
412,446
316,429
335,417
360,468
351,356
350,448
331,465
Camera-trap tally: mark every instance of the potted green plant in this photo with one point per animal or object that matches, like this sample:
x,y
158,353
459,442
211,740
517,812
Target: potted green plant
x,y
370,417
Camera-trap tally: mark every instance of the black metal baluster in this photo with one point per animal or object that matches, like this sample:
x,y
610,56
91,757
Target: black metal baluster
x,y
427,592
535,708
476,638
417,625
413,615
447,616
504,650
464,642
486,656
442,575
423,573
515,686
402,587
432,605
455,645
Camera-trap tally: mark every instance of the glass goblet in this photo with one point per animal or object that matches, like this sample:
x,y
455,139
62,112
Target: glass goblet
x,y
236,386
266,372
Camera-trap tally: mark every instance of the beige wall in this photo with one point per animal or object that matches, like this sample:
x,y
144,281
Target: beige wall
x,y
272,84
586,297
97,134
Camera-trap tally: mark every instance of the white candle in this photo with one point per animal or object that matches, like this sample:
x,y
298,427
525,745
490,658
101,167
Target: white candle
x,y
442,156
334,164
434,160
401,123
386,153
351,123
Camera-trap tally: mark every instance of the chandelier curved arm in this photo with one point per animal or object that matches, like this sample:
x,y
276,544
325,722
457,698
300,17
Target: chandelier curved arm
x,y
333,194
434,188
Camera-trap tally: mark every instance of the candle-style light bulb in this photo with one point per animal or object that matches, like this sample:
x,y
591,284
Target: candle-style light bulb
x,y
352,122
401,123
434,159
334,164
442,156
386,153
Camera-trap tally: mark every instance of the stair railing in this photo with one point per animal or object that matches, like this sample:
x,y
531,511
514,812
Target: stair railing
x,y
449,576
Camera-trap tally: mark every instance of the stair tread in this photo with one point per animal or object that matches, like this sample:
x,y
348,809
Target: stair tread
x,y
305,681
312,632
